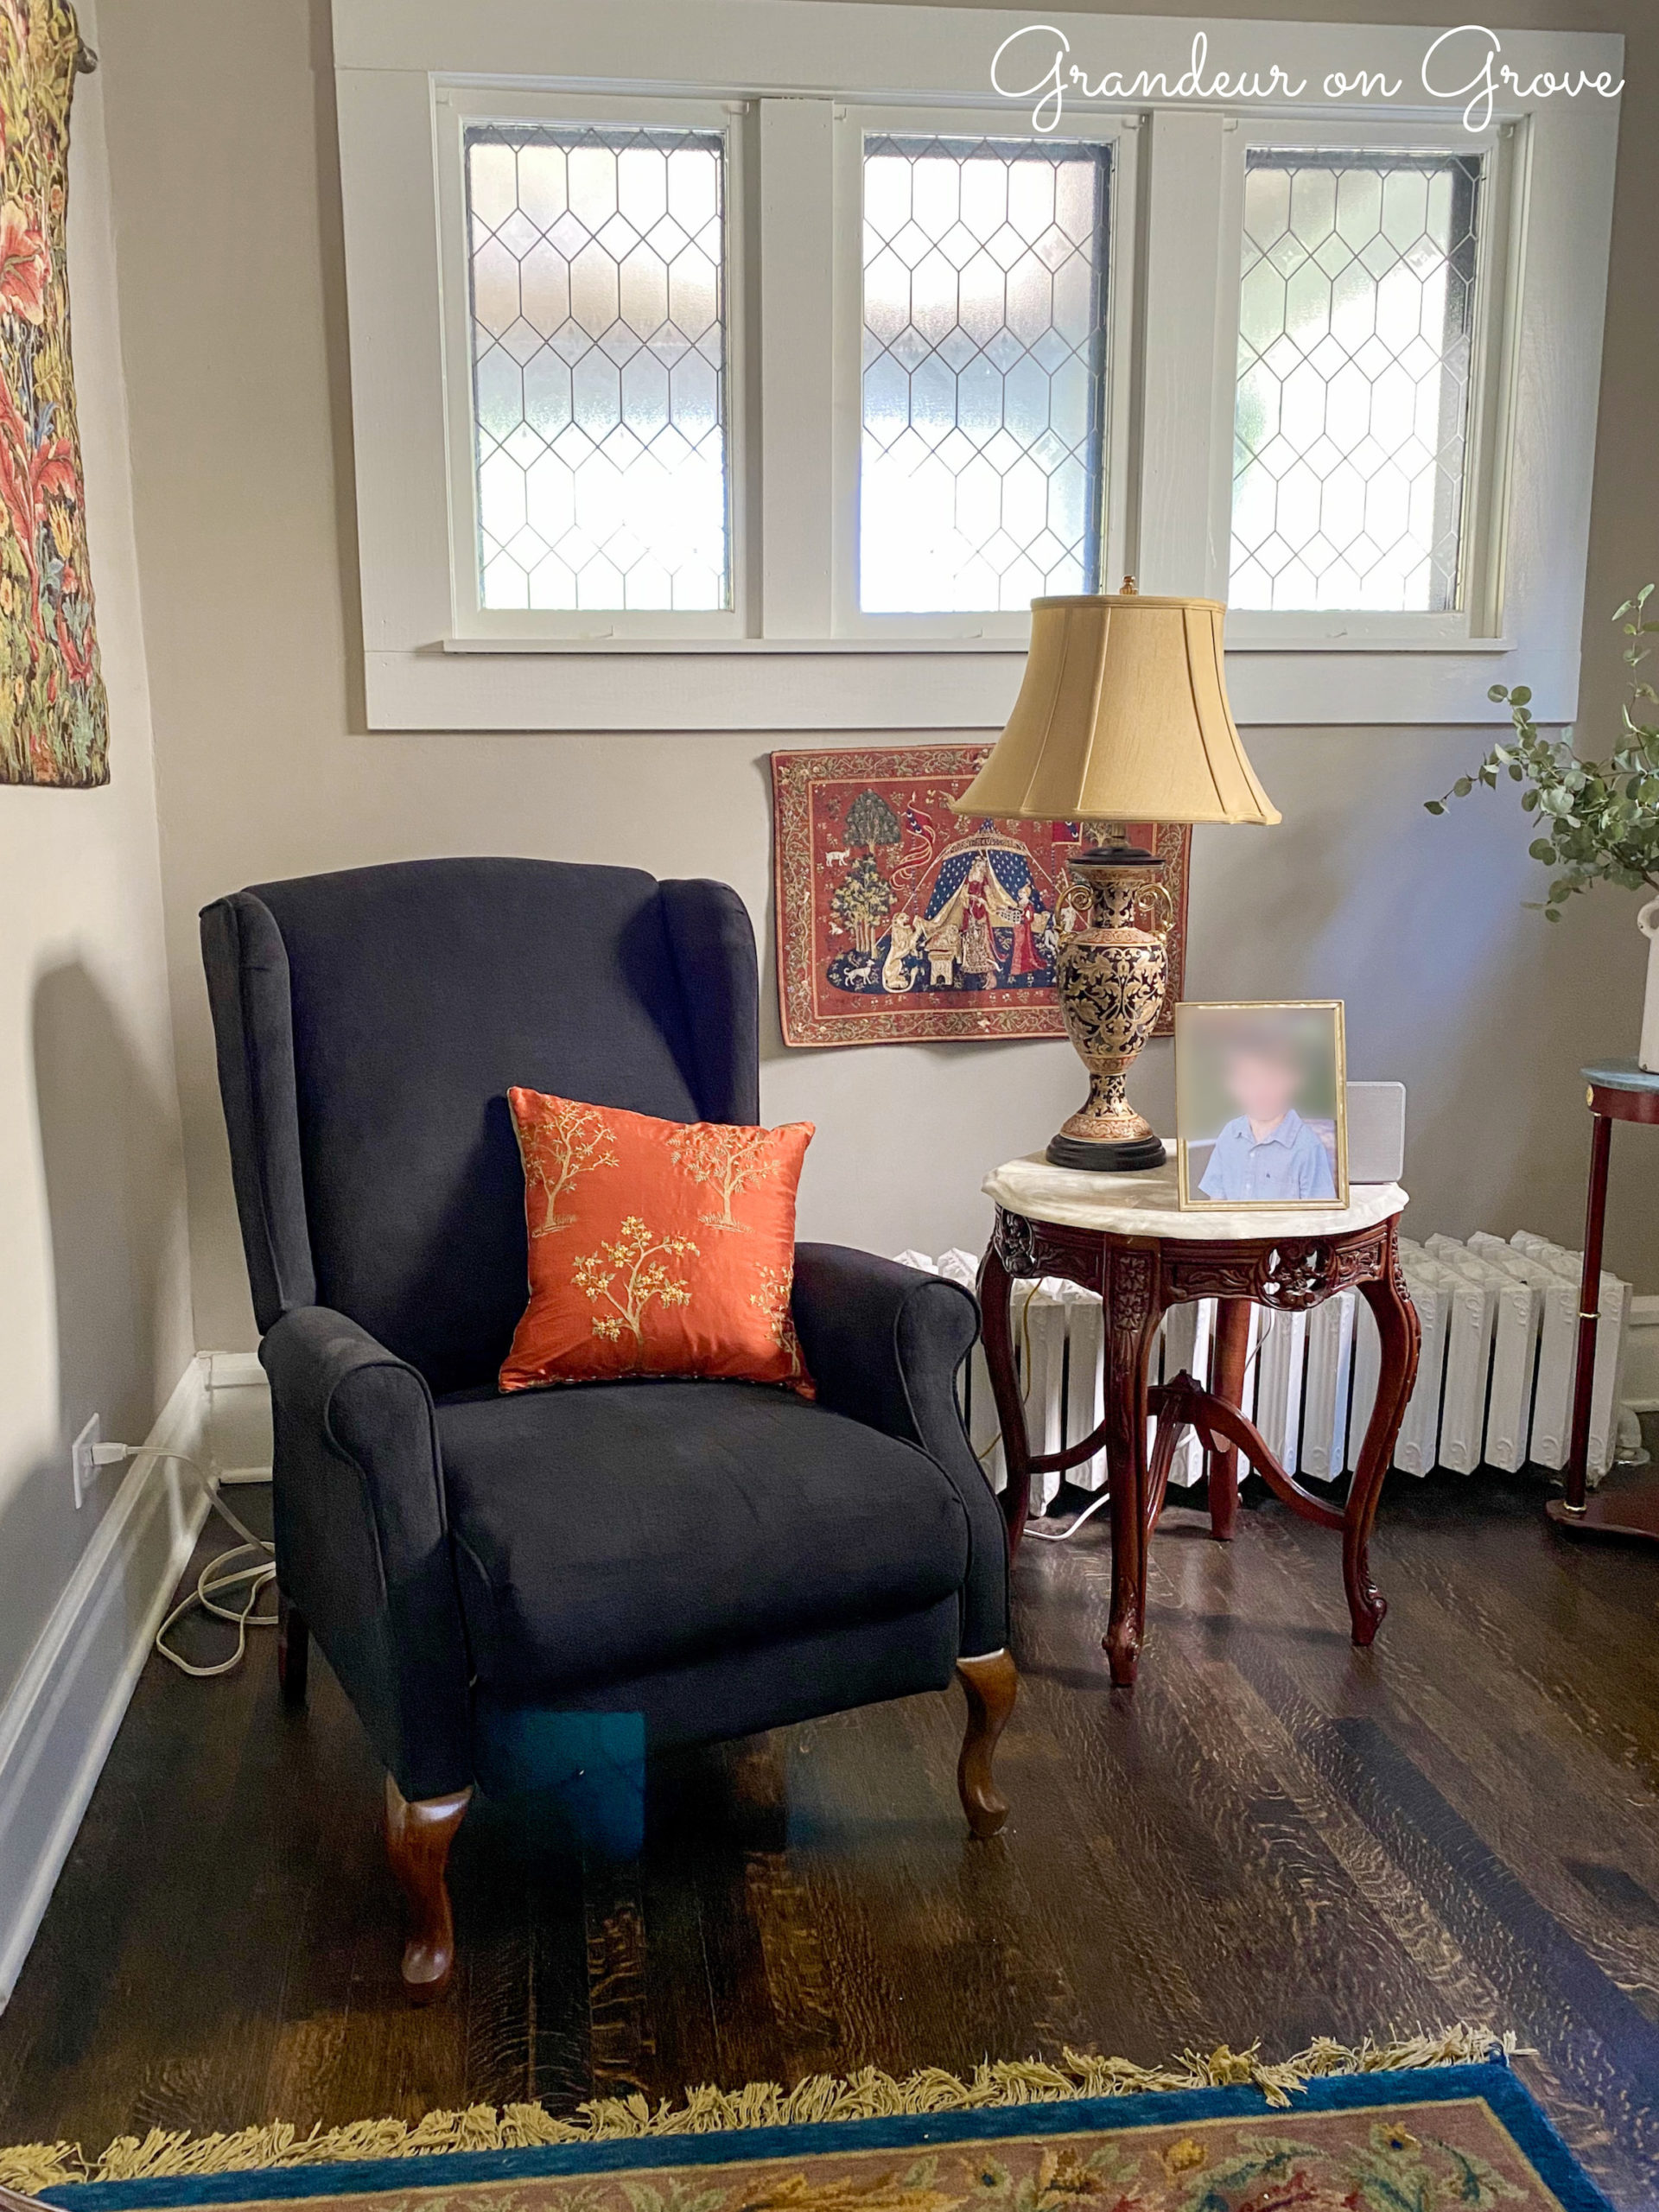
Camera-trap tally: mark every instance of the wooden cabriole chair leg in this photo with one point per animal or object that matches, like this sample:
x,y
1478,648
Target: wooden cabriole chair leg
x,y
293,1651
992,1684
418,1837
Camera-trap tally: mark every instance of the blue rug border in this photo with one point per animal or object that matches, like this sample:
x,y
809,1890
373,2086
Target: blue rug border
x,y
1494,2079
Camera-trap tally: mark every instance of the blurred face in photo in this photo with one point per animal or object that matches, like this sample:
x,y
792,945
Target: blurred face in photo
x,y
1262,1080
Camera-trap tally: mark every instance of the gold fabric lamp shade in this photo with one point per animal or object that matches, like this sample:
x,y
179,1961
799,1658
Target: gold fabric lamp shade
x,y
1123,716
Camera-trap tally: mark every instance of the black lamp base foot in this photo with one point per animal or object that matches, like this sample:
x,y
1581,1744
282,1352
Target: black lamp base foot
x,y
1133,1158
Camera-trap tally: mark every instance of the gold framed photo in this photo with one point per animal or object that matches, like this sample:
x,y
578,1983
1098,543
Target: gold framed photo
x,y
1261,1119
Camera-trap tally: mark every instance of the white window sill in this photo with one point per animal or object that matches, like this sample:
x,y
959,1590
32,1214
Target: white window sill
x,y
738,648
1390,646
744,648
946,686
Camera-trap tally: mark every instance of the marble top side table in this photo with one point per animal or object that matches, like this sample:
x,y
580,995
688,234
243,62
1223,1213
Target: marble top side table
x,y
1126,1237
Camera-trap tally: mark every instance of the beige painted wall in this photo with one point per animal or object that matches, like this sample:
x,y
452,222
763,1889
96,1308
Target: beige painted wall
x,y
222,147
94,1304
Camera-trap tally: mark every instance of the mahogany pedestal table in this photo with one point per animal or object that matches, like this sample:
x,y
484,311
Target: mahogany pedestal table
x,y
1620,1091
1126,1238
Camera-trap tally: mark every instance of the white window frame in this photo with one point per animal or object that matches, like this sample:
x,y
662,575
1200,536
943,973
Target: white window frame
x,y
853,125
1498,307
454,107
795,666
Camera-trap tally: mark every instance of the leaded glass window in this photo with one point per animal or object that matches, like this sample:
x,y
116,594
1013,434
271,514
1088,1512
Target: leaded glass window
x,y
1357,313
599,333
983,372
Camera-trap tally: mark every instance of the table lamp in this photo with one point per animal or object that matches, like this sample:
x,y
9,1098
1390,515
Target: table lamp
x,y
1122,717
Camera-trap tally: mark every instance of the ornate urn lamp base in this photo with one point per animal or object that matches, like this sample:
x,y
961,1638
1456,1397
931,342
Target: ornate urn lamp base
x,y
1112,976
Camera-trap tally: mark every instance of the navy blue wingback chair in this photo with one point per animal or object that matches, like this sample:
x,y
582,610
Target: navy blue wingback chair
x,y
717,1557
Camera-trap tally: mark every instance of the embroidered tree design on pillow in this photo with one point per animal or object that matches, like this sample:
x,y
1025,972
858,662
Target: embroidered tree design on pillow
x,y
565,1140
771,1299
636,1257
727,1157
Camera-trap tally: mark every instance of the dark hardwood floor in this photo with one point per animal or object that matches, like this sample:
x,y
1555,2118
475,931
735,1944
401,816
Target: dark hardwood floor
x,y
1274,1836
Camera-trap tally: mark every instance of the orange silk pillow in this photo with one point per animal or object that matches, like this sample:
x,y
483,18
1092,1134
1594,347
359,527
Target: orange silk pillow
x,y
656,1248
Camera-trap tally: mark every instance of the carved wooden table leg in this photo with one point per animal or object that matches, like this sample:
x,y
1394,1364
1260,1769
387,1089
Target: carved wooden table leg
x,y
418,1837
992,1684
1131,1323
1401,1331
1578,1456
996,1322
1232,1348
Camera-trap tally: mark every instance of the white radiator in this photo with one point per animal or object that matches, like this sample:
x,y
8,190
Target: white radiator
x,y
1494,1383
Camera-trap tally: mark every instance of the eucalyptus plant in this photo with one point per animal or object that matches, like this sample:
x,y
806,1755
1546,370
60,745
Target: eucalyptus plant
x,y
1598,820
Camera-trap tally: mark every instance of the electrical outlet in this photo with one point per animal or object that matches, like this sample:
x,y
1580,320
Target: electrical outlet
x,y
81,1468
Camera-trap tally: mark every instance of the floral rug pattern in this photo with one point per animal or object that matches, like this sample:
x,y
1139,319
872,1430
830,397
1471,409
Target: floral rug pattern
x,y
1450,2156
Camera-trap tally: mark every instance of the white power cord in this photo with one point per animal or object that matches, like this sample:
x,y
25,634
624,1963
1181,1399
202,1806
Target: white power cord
x,y
219,1575
1062,1535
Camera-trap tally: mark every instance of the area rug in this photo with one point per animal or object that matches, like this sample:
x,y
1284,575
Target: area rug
x,y
1223,2134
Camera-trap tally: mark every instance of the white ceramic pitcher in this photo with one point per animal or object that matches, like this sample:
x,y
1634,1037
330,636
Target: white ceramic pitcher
x,y
1647,921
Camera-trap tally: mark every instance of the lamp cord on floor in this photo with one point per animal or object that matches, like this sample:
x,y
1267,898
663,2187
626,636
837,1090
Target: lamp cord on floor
x,y
217,1575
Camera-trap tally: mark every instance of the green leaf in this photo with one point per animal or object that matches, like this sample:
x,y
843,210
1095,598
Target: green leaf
x,y
1433,806
1497,692
1522,696
1462,788
1542,849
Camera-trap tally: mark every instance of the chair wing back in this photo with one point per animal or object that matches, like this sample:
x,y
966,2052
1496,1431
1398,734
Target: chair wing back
x,y
368,1026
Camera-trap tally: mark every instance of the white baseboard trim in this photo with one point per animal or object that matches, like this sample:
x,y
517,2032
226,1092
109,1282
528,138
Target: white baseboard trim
x,y
57,1723
1641,1376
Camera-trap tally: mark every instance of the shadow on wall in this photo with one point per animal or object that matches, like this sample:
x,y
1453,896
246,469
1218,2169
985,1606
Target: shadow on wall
x,y
108,1152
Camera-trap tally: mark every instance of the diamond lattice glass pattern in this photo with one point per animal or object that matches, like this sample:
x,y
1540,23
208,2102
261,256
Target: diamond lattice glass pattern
x,y
1356,314
599,368
983,372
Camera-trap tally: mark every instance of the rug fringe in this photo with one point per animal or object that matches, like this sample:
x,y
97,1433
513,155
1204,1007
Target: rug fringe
x,y
867,2095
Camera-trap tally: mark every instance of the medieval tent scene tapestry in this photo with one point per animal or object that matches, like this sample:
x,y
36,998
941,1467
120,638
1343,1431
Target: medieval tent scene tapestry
x,y
53,715
899,921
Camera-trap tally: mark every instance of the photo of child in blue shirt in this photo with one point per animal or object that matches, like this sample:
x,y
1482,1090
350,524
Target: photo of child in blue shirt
x,y
1267,1153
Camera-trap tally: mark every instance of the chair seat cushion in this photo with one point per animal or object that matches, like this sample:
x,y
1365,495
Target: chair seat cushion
x,y
608,1529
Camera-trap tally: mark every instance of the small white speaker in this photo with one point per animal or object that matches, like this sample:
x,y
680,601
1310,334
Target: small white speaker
x,y
1377,1132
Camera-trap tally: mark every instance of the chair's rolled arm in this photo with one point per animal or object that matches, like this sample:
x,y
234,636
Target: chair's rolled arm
x,y
883,1343
363,1540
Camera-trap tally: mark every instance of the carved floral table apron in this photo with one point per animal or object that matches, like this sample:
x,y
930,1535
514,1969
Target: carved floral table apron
x,y
1125,1237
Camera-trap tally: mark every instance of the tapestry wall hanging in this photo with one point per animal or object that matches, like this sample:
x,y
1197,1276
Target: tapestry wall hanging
x,y
53,715
901,922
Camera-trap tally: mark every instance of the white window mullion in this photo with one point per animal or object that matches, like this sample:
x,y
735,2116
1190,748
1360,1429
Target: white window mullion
x,y
1492,421
797,365
1187,392
1120,523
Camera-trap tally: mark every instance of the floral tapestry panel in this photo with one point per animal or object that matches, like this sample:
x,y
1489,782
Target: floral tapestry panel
x,y
53,714
899,921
